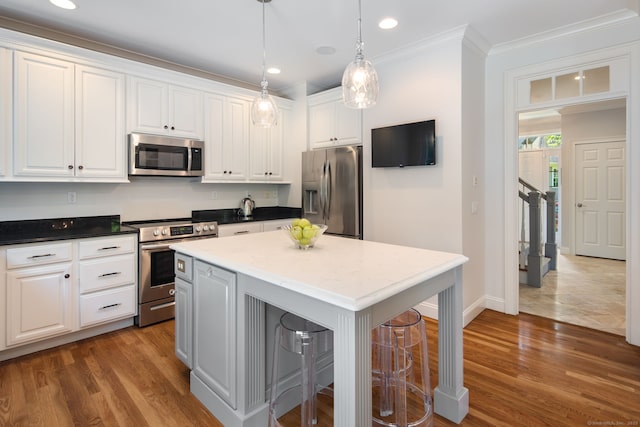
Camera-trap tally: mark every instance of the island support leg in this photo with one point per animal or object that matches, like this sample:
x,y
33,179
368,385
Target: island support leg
x,y
451,398
352,370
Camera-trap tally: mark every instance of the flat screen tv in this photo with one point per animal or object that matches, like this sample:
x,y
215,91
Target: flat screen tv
x,y
410,144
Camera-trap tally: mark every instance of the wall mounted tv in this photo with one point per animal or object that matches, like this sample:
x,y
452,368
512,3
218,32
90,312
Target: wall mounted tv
x,y
410,144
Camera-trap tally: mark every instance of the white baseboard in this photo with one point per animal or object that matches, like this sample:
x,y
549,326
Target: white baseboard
x,y
430,310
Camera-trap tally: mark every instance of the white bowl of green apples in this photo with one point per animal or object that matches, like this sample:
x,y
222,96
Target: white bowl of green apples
x,y
303,233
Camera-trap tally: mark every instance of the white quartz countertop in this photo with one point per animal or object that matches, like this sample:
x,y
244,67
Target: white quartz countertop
x,y
352,274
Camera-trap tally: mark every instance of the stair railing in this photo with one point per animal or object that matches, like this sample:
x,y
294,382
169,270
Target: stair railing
x,y
535,260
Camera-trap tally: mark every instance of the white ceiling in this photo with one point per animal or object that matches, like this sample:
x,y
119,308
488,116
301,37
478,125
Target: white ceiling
x,y
225,37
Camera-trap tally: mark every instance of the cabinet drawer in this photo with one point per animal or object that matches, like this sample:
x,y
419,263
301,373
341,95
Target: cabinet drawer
x,y
237,229
105,247
38,255
104,273
107,305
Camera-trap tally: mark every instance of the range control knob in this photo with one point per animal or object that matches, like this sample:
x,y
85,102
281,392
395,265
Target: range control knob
x,y
206,228
164,231
198,229
156,232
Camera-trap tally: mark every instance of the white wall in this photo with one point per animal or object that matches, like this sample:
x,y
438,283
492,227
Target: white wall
x,y
472,174
430,206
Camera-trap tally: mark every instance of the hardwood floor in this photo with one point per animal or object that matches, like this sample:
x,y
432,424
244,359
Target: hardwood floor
x,y
583,291
524,370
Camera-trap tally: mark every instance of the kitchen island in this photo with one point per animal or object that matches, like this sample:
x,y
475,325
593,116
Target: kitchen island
x,y
347,285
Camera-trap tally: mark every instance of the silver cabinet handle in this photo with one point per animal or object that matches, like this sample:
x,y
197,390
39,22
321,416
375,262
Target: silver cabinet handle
x,y
115,273
40,256
108,248
105,307
242,232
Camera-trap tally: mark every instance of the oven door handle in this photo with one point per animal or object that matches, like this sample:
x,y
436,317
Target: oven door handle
x,y
156,246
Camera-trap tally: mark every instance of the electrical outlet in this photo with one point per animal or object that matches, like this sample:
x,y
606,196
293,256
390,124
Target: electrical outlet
x,y
265,194
71,197
214,195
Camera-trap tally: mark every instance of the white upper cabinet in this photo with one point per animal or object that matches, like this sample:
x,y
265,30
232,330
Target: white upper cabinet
x,y
5,109
44,124
100,115
331,123
164,109
226,138
69,121
267,146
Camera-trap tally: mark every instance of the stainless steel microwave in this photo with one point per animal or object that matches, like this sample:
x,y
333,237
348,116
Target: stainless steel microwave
x,y
159,155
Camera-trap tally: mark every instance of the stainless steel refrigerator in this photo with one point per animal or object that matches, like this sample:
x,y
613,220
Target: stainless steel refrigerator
x,y
332,189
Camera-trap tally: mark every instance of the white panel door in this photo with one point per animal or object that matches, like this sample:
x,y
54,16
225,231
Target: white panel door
x,y
600,200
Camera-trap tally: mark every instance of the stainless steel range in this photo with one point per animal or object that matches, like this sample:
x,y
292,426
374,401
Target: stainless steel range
x,y
155,264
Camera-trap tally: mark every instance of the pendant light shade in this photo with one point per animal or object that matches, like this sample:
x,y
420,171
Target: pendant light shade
x,y
360,80
264,111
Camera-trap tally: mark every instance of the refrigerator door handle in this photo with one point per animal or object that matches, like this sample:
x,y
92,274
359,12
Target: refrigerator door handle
x,y
321,190
327,190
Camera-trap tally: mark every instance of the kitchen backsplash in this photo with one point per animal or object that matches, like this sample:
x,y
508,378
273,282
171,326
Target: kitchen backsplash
x,y
143,198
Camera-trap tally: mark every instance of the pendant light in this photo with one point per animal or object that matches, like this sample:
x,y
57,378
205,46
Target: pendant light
x,y
360,80
264,111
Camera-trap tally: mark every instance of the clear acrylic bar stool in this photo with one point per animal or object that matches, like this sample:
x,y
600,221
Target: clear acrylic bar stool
x,y
309,340
400,373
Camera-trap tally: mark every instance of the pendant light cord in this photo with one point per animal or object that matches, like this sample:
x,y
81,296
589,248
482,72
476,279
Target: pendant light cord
x,y
264,49
359,55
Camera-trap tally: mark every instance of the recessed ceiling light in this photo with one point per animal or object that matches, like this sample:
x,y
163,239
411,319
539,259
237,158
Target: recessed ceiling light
x,y
65,4
326,50
388,23
273,70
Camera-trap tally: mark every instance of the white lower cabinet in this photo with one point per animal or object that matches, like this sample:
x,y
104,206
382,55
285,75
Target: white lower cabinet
x,y
107,273
56,288
214,322
40,302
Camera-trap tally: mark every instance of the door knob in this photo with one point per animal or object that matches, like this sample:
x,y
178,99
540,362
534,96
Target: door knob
x,y
579,205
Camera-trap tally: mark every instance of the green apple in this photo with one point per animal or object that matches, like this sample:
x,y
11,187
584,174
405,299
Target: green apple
x,y
305,241
304,222
296,232
295,222
308,232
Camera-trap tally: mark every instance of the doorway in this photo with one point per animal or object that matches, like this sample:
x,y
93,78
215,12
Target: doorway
x,y
587,286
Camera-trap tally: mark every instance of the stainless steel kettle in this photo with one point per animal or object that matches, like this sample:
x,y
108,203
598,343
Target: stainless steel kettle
x,y
247,205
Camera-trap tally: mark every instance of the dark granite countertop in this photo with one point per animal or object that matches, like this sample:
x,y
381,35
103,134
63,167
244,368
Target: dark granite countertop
x,y
44,230
230,216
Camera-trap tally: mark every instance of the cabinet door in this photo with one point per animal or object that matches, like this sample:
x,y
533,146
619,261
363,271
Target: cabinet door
x,y
163,109
266,151
214,358
5,109
100,133
322,123
43,116
237,137
226,138
185,112
39,303
348,124
149,103
184,322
